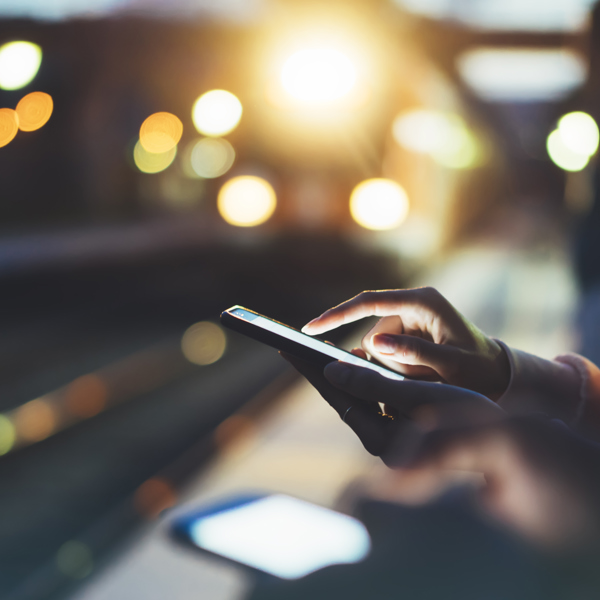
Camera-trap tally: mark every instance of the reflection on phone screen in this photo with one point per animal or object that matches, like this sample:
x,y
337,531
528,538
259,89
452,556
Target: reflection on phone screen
x,y
282,536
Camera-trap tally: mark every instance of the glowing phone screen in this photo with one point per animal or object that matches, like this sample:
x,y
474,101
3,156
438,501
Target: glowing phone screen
x,y
310,342
283,536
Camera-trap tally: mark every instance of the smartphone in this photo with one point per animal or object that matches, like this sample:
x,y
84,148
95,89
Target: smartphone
x,y
294,342
275,534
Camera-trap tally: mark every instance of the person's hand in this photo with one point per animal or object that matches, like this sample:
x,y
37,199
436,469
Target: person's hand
x,y
411,407
542,480
423,336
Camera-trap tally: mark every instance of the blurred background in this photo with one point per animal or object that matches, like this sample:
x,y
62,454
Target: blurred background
x,y
162,161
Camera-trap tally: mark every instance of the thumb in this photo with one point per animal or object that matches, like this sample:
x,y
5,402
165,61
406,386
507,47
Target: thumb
x,y
411,350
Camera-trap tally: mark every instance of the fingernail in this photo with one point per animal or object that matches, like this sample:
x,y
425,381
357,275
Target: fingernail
x,y
308,326
338,373
385,344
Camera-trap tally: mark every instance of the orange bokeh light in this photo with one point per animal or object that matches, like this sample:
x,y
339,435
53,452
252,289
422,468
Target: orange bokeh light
x,y
234,428
86,396
154,496
34,110
160,132
35,421
9,125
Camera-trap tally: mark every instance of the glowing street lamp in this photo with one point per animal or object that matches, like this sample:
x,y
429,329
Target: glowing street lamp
x,y
318,76
571,145
379,204
216,113
19,64
246,201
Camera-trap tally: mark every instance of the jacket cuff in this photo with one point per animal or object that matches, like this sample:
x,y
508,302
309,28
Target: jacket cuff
x,y
556,388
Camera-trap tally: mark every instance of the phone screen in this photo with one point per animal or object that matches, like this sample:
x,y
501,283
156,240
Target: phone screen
x,y
307,340
280,535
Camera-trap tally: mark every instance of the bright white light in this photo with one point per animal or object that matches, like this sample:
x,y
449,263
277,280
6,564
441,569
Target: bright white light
x,y
563,156
514,75
216,113
246,201
283,536
19,64
579,132
379,204
318,75
507,15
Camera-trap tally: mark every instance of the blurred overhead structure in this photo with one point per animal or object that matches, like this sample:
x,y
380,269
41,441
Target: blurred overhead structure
x,y
506,15
522,74
54,10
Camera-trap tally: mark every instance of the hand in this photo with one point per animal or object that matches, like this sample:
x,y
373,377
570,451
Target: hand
x,y
423,336
411,407
541,478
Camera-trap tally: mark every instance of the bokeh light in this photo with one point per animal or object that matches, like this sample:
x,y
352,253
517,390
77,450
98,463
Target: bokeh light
x,y
160,132
19,64
379,204
34,421
421,130
9,125
7,434
86,396
34,110
74,559
233,429
318,76
154,496
149,162
211,157
444,137
203,343
246,201
579,133
563,156
216,113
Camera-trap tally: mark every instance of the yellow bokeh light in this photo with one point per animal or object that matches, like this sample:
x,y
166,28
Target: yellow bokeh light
x,y
211,157
160,132
216,113
19,64
149,162
379,204
444,137
563,156
35,421
9,125
246,201
34,111
579,133
318,76
203,343
8,434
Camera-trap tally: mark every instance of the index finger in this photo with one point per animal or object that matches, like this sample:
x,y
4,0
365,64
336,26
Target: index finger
x,y
382,303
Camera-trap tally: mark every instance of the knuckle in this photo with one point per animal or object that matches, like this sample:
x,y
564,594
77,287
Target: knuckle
x,y
409,347
431,295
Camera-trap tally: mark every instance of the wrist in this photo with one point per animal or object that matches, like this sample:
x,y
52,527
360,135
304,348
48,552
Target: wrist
x,y
499,372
